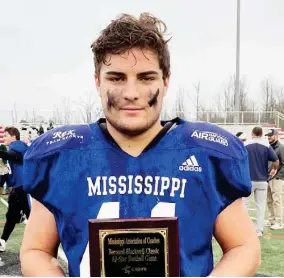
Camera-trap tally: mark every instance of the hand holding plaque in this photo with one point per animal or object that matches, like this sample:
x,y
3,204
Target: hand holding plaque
x,y
134,247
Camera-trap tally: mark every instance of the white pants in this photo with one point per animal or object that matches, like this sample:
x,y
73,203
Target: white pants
x,y
259,190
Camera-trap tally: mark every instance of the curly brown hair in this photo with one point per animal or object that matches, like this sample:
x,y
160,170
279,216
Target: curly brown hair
x,y
127,32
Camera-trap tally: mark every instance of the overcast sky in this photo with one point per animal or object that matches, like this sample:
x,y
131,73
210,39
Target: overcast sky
x,y
45,45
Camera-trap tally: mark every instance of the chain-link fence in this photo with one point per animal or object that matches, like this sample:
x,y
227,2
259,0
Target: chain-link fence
x,y
57,117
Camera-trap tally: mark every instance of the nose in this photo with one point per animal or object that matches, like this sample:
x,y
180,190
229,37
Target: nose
x,y
130,92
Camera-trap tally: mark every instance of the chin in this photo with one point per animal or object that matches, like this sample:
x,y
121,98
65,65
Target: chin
x,y
132,127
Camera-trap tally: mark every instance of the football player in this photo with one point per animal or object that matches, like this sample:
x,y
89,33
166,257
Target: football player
x,y
131,164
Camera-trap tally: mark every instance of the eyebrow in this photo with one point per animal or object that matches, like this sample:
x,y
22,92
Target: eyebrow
x,y
115,73
148,73
139,74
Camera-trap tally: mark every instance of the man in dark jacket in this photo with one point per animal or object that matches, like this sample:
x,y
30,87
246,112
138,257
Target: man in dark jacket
x,y
18,199
274,201
260,153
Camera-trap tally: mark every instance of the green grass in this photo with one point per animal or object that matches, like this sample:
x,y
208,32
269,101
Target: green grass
x,y
14,242
10,257
272,249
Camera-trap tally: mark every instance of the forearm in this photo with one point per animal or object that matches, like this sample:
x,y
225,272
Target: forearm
x,y
39,263
11,156
240,261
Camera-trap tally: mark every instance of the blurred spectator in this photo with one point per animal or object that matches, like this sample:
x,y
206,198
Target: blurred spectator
x,y
241,135
50,126
4,170
18,199
274,200
40,130
260,153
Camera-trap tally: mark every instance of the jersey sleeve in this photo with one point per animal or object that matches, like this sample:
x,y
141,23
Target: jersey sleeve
x,y
232,179
41,158
228,167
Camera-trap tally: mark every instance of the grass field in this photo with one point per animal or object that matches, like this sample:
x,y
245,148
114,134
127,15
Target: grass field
x,y
272,248
272,245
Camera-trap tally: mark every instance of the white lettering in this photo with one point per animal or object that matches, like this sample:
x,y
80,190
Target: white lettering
x,y
94,189
104,185
112,185
156,186
148,185
130,184
138,184
175,186
165,185
183,188
122,185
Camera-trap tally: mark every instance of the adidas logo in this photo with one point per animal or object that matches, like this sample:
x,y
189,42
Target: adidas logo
x,y
190,164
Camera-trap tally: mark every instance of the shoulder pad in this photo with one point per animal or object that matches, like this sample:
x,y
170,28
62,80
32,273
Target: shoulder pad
x,y
58,139
213,137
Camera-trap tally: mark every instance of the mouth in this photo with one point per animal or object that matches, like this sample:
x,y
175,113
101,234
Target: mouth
x,y
131,111
131,108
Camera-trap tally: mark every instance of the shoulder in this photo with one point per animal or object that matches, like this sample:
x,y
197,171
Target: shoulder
x,y
59,139
261,142
18,146
213,138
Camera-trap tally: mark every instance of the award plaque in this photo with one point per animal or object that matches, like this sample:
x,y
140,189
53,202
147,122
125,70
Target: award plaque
x,y
137,247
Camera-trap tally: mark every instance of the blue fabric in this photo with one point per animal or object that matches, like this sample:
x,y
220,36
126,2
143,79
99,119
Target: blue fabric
x,y
16,176
260,153
199,167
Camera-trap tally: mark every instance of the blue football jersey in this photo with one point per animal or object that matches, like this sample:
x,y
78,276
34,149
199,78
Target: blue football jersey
x,y
193,172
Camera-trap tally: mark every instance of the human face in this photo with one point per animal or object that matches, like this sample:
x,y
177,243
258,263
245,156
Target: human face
x,y
8,139
132,88
272,139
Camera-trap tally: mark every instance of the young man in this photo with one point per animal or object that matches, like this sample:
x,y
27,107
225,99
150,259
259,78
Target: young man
x,y
275,185
18,199
260,154
131,163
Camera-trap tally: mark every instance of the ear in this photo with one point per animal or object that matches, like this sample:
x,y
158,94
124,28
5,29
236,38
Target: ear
x,y
98,83
166,84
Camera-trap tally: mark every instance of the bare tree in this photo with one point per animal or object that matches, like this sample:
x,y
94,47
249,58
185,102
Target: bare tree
x,y
87,107
57,115
14,114
279,100
66,104
180,103
269,100
196,99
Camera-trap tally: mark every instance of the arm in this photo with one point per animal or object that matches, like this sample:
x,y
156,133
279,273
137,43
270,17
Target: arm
x,y
274,167
272,156
236,235
281,156
40,244
12,156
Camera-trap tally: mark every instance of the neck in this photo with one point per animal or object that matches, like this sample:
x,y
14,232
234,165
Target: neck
x,y
134,145
273,143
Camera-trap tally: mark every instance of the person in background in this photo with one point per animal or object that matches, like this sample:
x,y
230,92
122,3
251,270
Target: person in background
x,y
275,185
40,130
241,135
50,126
260,153
18,199
4,170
